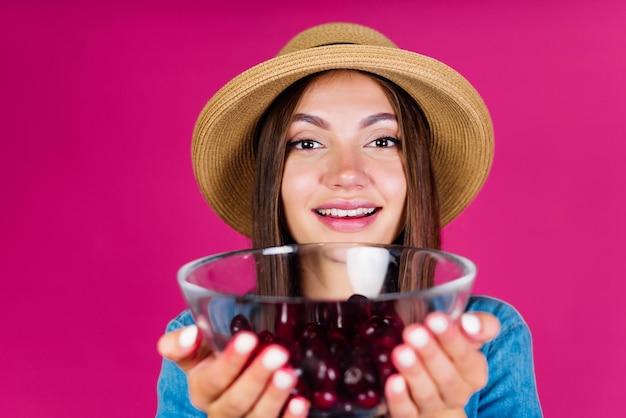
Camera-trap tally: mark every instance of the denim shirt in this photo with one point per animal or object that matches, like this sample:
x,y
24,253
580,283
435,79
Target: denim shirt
x,y
510,392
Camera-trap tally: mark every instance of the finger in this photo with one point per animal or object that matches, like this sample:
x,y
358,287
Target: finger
x,y
399,402
276,394
210,377
421,387
480,327
246,390
470,363
452,388
185,347
296,408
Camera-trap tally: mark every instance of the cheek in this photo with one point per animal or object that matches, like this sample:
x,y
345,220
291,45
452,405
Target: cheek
x,y
394,190
393,185
297,186
397,187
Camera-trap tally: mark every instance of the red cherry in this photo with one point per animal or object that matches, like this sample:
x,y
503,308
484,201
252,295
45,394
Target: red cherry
x,y
370,329
266,338
312,331
337,345
302,387
309,356
239,323
347,407
358,377
368,399
325,314
327,375
288,322
324,399
385,367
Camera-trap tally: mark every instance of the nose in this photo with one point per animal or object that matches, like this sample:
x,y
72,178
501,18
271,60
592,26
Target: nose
x,y
346,169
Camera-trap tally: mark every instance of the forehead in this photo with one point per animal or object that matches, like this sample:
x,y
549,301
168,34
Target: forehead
x,y
345,89
339,78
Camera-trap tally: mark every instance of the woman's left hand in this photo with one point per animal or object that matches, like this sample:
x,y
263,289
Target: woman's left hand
x,y
439,365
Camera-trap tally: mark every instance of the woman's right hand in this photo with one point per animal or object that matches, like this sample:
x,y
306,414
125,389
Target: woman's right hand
x,y
236,382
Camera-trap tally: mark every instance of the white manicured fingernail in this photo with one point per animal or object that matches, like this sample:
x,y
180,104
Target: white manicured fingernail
x,y
244,343
406,357
418,338
398,384
437,324
297,406
188,336
274,358
282,379
470,323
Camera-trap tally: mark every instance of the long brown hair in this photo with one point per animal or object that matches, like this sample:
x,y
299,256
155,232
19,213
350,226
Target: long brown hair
x,y
422,225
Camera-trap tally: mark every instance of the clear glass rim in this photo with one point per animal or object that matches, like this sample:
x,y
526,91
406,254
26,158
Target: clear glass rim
x,y
467,266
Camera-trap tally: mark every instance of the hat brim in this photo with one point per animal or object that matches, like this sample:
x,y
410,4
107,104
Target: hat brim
x,y
462,132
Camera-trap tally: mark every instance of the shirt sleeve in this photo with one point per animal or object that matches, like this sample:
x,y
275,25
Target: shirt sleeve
x,y
172,391
511,390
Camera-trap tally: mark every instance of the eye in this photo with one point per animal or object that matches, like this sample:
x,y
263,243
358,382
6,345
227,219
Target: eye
x,y
384,142
304,144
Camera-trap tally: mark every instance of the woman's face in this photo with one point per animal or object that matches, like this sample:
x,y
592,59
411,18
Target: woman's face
x,y
343,179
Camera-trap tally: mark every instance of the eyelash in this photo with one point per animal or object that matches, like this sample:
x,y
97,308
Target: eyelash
x,y
394,141
298,144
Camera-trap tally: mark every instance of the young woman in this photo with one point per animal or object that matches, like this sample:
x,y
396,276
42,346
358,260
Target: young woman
x,y
345,138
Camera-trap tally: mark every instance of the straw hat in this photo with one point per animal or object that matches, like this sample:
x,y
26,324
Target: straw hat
x,y
223,151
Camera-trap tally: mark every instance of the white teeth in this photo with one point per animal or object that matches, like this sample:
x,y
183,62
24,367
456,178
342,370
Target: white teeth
x,y
343,213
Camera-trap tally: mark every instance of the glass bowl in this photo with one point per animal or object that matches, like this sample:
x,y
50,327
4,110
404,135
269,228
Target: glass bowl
x,y
339,308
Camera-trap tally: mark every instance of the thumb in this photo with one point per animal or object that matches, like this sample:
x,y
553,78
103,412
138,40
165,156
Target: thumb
x,y
185,347
480,327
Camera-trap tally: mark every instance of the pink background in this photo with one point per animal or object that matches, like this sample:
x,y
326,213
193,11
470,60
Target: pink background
x,y
100,206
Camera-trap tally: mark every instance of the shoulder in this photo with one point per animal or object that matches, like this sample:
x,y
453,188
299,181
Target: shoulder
x,y
508,316
514,333
492,305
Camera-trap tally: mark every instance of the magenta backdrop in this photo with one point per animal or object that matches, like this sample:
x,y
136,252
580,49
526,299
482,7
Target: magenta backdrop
x,y
100,206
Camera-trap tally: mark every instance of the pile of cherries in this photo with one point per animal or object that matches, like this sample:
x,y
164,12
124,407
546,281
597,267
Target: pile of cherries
x,y
341,351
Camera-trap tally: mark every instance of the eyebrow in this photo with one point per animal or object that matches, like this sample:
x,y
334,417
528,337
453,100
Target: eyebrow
x,y
321,123
379,117
314,120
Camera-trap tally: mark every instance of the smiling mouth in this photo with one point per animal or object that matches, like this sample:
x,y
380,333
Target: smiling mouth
x,y
346,213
